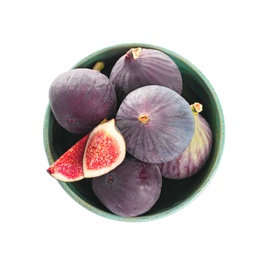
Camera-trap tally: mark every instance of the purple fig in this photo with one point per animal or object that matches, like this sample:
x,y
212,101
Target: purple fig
x,y
131,189
156,122
196,154
140,67
81,98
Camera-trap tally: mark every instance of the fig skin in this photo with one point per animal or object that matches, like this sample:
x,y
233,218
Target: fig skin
x,y
156,122
131,189
81,98
105,150
196,154
141,67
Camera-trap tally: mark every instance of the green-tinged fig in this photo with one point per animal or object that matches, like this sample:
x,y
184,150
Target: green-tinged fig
x,y
105,150
131,189
141,67
68,167
156,122
81,98
196,154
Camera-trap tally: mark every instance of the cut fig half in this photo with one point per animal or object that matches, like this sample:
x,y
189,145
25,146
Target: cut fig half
x,y
68,167
105,150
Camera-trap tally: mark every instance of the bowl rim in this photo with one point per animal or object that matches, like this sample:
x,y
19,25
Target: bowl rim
x,y
192,196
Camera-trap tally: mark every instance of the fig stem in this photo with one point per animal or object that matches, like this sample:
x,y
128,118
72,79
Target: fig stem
x,y
196,108
99,66
134,53
103,121
144,119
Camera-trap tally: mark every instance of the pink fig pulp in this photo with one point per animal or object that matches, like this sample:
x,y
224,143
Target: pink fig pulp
x,y
104,151
68,167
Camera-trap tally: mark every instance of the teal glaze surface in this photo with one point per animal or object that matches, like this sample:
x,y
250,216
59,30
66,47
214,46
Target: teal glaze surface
x,y
176,194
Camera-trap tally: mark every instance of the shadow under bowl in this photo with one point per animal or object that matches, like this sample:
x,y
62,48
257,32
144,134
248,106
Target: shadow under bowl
x,y
175,194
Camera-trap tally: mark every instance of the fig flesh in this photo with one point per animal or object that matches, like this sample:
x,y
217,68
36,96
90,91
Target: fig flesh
x,y
141,67
68,167
156,122
196,154
81,98
131,189
105,149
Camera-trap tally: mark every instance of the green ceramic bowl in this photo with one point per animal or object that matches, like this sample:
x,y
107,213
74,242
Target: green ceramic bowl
x,y
176,194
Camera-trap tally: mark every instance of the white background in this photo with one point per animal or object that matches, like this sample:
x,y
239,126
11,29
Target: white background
x,y
226,40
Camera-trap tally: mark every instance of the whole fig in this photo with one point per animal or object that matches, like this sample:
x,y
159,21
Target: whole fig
x,y
81,98
131,189
156,122
196,154
140,67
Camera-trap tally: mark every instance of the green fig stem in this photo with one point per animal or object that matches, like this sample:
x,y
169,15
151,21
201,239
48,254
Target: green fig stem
x,y
196,108
134,53
99,66
103,121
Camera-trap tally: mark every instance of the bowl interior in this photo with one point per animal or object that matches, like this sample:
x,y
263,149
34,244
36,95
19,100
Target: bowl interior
x,y
175,193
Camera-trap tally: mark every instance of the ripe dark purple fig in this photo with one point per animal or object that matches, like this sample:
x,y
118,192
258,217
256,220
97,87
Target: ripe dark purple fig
x,y
81,98
141,67
196,154
156,122
131,189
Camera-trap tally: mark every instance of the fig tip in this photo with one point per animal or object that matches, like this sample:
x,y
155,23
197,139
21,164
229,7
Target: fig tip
x,y
134,53
197,107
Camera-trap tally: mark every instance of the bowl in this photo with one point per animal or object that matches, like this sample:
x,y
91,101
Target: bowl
x,y
176,194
